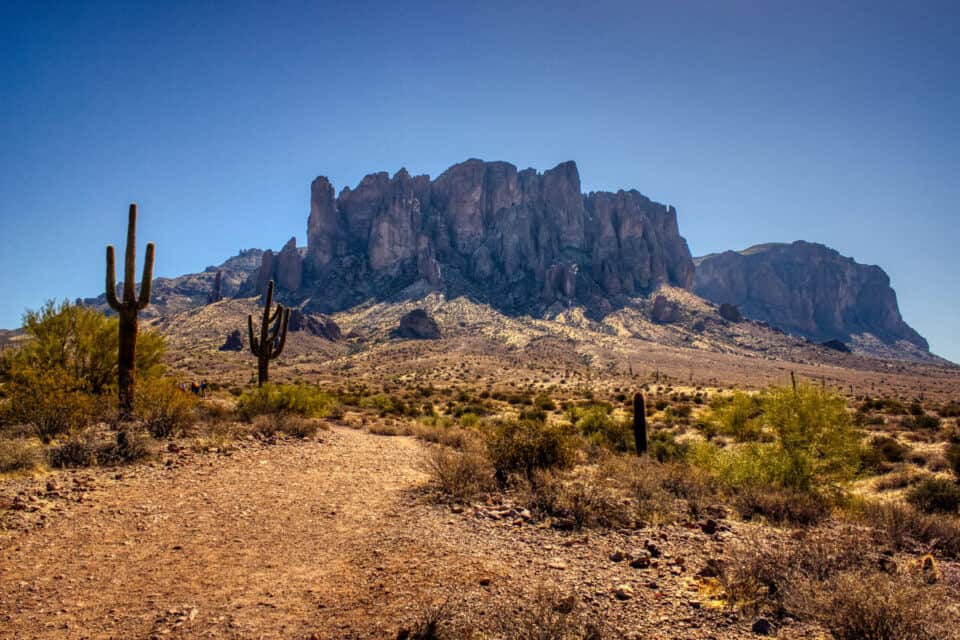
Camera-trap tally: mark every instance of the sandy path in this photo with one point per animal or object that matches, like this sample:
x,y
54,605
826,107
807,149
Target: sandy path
x,y
270,542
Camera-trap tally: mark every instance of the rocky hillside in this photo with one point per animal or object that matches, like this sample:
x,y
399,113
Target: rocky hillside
x,y
522,241
172,295
812,291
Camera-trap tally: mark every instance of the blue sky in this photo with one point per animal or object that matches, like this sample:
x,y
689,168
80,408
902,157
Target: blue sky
x,y
833,122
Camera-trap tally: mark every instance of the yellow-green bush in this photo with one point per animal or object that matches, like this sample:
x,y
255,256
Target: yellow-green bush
x,y
737,416
813,443
164,408
297,399
50,401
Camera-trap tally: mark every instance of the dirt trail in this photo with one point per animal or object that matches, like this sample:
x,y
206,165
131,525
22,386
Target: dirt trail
x,y
311,540
280,541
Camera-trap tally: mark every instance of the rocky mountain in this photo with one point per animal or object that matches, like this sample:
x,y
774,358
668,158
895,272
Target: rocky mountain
x,y
521,241
172,295
808,290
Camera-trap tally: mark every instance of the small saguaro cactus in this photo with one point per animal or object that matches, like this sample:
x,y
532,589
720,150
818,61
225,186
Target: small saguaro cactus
x,y
640,423
128,309
271,341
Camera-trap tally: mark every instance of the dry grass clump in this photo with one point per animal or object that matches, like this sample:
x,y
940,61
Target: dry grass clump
x,y
85,449
20,454
575,500
460,475
289,424
903,527
833,578
164,408
869,605
781,506
551,615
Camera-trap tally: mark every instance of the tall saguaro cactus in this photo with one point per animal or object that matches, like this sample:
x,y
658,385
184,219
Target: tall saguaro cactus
x,y
271,341
128,309
640,423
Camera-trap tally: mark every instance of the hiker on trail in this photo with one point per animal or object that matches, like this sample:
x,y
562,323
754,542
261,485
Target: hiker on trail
x,y
203,389
195,388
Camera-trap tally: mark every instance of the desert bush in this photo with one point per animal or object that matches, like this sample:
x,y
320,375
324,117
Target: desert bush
x,y
549,616
460,475
290,424
781,506
692,484
903,527
650,487
294,399
899,480
164,408
953,458
870,605
950,410
594,420
132,447
51,401
813,444
387,404
662,446
880,452
19,454
82,343
582,500
935,495
922,422
524,446
737,416
76,451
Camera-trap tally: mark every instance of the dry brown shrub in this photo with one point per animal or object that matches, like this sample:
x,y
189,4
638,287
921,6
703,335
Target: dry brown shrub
x,y
869,605
20,454
781,506
460,475
582,499
297,426
902,527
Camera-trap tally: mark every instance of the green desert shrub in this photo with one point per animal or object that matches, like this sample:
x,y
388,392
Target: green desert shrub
x,y
881,452
293,399
51,401
524,446
737,416
813,444
82,342
595,421
663,446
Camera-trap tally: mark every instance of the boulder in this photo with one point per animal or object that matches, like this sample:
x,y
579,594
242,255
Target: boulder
x,y
417,325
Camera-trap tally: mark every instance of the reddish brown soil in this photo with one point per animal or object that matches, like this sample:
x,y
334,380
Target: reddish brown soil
x,y
322,539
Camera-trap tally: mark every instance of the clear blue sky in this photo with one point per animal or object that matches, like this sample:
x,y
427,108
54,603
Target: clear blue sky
x,y
835,122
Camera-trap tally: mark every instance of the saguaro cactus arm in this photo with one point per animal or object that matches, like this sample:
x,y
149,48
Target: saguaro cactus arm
x,y
147,280
111,288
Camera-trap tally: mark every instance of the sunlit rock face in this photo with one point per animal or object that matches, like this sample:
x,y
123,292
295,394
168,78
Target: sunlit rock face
x,y
518,240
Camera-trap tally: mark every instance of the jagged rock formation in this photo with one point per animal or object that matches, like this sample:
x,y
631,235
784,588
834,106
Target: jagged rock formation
x,y
417,325
808,290
519,240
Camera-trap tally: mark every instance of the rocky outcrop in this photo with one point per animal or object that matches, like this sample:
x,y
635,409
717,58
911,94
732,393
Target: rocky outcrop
x,y
417,325
729,312
234,341
808,290
518,240
314,324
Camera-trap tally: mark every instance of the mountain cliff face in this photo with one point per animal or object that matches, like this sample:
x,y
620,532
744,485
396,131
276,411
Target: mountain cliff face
x,y
518,240
806,289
